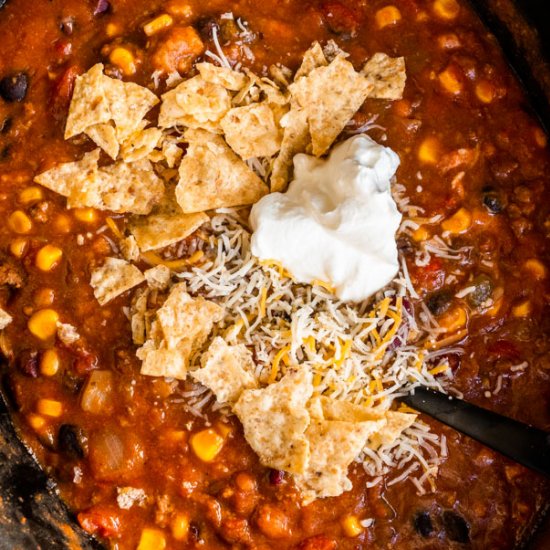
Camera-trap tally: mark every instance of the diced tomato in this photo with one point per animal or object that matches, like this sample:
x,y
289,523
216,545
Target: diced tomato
x,y
339,18
62,92
504,349
100,520
430,277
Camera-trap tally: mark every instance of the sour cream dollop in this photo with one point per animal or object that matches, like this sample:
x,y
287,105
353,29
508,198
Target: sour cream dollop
x,y
337,221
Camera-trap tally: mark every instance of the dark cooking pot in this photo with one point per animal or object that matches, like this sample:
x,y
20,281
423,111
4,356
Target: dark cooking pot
x,y
31,514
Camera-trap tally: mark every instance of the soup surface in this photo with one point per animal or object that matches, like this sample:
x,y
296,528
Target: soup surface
x,y
473,162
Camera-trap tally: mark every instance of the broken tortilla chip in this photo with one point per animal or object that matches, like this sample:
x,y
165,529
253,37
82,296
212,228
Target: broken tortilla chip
x,y
161,361
113,278
226,370
386,75
166,225
98,99
333,445
5,319
251,131
330,96
313,58
296,138
213,176
119,187
195,103
104,136
396,423
222,76
275,419
158,277
140,144
129,248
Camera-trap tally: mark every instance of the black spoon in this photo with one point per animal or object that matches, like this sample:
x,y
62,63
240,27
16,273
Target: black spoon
x,y
527,445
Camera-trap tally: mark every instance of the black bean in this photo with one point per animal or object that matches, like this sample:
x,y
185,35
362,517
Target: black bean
x,y
439,302
456,527
5,126
3,3
483,290
14,87
194,531
102,7
423,524
492,200
28,363
72,441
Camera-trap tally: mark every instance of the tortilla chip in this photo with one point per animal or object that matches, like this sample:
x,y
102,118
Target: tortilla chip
x,y
337,409
65,177
186,322
113,278
295,140
195,103
223,76
396,423
162,361
313,58
89,104
170,151
334,445
104,136
132,187
5,319
386,75
98,99
226,370
275,419
138,316
212,176
330,96
163,228
251,131
129,249
119,187
158,277
140,144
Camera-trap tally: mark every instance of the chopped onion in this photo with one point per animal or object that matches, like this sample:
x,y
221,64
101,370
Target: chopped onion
x,y
97,394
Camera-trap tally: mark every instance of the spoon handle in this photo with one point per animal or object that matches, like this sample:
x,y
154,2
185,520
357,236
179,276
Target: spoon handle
x,y
520,442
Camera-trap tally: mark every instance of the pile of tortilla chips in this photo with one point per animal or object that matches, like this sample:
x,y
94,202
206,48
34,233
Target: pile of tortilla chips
x,y
227,120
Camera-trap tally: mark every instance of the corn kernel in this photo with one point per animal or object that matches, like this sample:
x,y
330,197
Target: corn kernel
x,y
49,407
43,324
522,309
485,91
180,527
36,422
85,215
449,81
31,194
389,15
48,257
421,234
446,9
207,444
176,436
536,268
62,223
152,539
112,29
49,362
428,152
18,247
19,222
44,297
540,138
459,222
124,60
453,320
351,526
158,24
